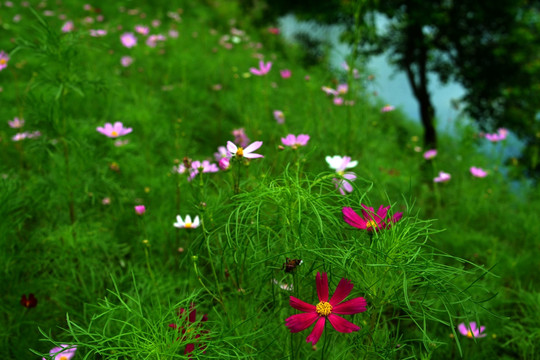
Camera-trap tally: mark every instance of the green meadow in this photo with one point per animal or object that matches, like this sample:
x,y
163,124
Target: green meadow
x,y
88,270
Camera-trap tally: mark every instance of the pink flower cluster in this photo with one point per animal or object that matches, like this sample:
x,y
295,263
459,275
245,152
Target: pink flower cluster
x,y
500,135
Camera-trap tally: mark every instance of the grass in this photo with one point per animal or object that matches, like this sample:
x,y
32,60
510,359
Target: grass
x,y
111,282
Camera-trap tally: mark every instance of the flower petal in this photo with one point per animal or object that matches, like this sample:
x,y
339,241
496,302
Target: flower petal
x,y
317,331
252,147
300,322
342,291
352,218
231,147
322,286
300,305
463,329
353,306
342,325
253,156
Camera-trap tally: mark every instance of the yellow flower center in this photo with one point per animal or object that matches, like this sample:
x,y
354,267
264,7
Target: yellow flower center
x,y
469,334
63,357
341,173
3,62
188,225
240,151
324,308
114,133
371,223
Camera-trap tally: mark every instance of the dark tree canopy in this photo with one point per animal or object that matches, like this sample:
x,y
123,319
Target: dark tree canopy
x,y
491,47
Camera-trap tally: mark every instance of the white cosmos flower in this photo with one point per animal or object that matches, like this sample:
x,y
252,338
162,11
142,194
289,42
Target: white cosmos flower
x,y
187,224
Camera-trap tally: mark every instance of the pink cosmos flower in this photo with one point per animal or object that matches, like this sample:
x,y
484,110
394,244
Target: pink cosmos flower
x,y
98,32
189,326
16,123
153,40
143,30
387,108
285,73
126,61
240,137
295,141
128,40
340,164
173,34
114,131
62,352
338,101
498,136
20,136
140,209
222,153
279,116
247,152
68,26
342,89
370,221
443,177
205,167
263,68
430,154
478,172
4,58
472,330
326,309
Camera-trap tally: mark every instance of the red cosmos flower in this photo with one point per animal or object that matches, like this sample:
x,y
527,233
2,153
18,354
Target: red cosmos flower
x,y
29,302
371,221
326,309
190,327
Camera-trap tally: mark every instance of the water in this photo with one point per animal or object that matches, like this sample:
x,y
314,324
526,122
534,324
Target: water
x,y
392,85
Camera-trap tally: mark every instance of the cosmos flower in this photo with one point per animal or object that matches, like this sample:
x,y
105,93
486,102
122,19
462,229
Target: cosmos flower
x,y
98,32
387,108
187,224
279,116
140,209
338,101
443,177
247,152
126,61
16,123
153,40
62,352
478,172
342,89
114,131
224,164
128,40
263,68
472,330
4,58
430,154
340,164
240,137
222,153
329,91
205,167
29,302
143,30
370,221
295,141
190,326
285,73
326,309
498,136
68,26
273,30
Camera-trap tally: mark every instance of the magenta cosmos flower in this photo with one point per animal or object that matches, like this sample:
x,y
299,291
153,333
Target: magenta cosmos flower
x,y
140,209
371,220
478,172
285,73
471,331
326,309
295,141
263,68
191,326
247,152
114,131
62,352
